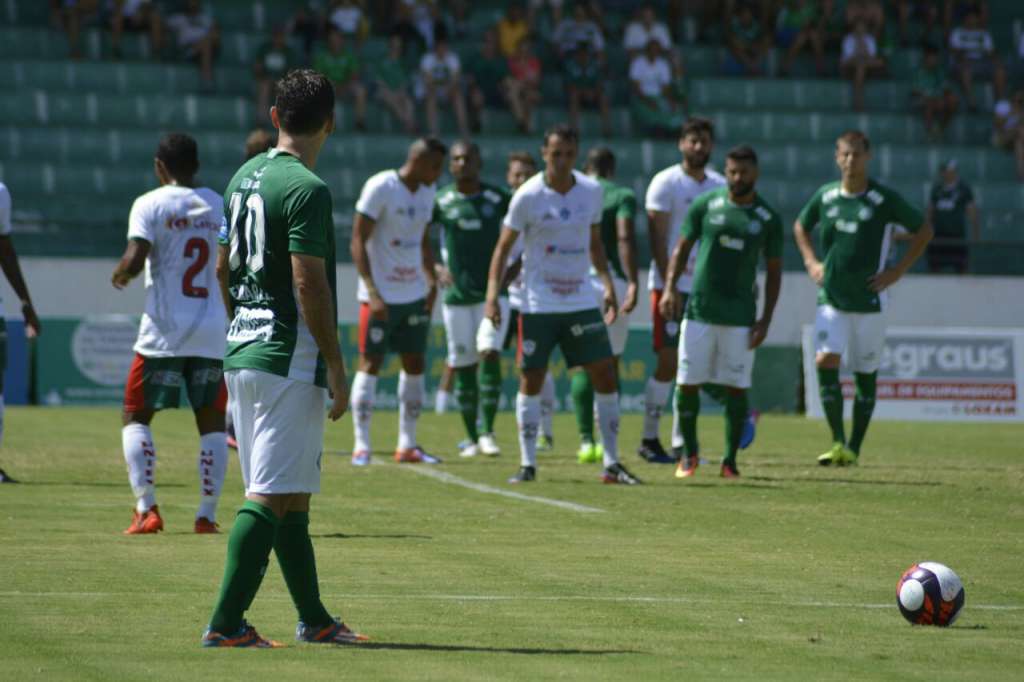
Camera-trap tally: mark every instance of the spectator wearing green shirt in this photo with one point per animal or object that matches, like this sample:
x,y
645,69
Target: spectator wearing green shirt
x,y
798,27
585,85
933,93
391,83
950,206
488,81
747,43
273,61
341,66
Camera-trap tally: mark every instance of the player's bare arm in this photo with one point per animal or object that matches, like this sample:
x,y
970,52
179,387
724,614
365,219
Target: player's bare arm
x,y
806,246
429,266
511,272
657,229
626,240
495,277
12,271
131,263
361,231
670,300
772,287
309,277
918,243
223,274
599,260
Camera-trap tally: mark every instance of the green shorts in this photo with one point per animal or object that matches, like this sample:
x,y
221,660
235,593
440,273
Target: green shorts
x,y
155,383
405,330
582,336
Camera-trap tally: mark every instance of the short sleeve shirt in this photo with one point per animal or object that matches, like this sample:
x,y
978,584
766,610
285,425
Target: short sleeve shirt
x,y
617,202
650,76
974,43
339,68
470,227
441,70
949,208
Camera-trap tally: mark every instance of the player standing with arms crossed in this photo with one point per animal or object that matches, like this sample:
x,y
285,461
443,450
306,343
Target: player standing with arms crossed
x,y
858,218
172,233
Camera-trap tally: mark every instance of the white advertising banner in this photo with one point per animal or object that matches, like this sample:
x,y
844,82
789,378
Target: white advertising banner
x,y
931,374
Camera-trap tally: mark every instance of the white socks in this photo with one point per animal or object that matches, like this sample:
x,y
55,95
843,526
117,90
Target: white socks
x,y
212,464
547,405
364,387
608,423
410,404
677,428
140,454
528,412
655,395
442,401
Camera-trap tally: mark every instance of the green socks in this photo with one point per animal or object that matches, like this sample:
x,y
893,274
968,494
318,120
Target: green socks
x,y
490,391
832,402
863,406
468,397
736,409
249,545
294,552
583,405
688,406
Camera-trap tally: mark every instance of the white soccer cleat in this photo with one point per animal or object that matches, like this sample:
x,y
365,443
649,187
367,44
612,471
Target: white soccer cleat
x,y
468,448
488,445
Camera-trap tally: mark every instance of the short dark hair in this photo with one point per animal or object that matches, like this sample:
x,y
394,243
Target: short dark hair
x,y
427,145
852,136
468,145
602,161
564,131
696,125
743,152
180,155
521,156
305,101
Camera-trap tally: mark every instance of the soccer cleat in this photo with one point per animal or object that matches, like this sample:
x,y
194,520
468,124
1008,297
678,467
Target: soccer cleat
x,y
589,453
204,526
749,429
545,442
849,457
468,448
839,455
426,458
616,473
729,470
245,637
361,458
335,633
488,445
145,522
652,451
524,475
5,478
687,466
407,456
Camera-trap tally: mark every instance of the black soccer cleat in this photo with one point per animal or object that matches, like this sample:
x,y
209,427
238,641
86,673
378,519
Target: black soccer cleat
x,y
652,451
524,475
4,478
616,473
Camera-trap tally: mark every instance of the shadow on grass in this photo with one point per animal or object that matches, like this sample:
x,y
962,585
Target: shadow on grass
x,y
856,481
371,536
91,484
526,651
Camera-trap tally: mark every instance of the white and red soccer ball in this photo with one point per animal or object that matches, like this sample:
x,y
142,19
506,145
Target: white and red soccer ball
x,y
930,594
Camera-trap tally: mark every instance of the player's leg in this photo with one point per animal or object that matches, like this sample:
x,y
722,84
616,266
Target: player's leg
x,y
696,352
546,436
4,476
537,336
734,364
373,345
461,323
831,335
443,395
208,396
582,392
409,338
867,341
659,384
489,342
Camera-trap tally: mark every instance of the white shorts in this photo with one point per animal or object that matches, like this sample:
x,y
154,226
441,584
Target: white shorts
x,y
279,426
714,354
862,334
618,331
489,337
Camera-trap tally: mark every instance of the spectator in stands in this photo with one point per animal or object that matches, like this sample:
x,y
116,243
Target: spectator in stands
x,y
556,11
348,17
950,206
524,85
859,59
954,11
304,24
258,141
644,28
136,16
1008,128
747,42
69,15
870,12
922,12
512,29
798,27
198,38
392,84
487,80
585,85
974,56
681,86
576,30
934,93
442,79
273,61
341,66
417,22
654,104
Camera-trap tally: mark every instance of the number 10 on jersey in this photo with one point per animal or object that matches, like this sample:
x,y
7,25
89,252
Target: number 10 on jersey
x,y
253,232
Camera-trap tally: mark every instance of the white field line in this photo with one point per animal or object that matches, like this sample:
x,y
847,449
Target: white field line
x,y
634,599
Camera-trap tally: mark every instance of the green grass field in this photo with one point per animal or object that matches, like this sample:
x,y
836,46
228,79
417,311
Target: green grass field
x,y
789,573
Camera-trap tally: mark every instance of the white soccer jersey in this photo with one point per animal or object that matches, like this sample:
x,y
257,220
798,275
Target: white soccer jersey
x,y
672,191
515,287
184,312
555,232
395,246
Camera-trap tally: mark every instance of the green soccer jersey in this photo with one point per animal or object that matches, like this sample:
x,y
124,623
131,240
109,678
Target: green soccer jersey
x,y
618,202
856,233
274,207
732,239
470,226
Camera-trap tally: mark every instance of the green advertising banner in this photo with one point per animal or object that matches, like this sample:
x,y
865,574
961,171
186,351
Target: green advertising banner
x,y
85,362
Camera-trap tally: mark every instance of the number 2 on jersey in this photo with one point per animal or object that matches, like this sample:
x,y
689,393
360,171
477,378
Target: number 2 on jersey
x,y
254,232
198,247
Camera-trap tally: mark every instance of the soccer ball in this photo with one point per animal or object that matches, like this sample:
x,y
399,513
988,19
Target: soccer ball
x,y
930,594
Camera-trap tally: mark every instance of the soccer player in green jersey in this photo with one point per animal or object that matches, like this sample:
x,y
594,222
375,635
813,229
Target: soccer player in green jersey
x,y
735,226
469,213
282,361
618,212
857,219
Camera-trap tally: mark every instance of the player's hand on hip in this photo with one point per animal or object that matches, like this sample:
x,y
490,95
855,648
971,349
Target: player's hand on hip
x,y
758,333
378,308
337,385
630,300
32,324
884,279
668,305
492,311
817,272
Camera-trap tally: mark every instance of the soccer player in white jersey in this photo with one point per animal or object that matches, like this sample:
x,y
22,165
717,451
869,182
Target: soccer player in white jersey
x,y
397,288
9,264
557,214
172,232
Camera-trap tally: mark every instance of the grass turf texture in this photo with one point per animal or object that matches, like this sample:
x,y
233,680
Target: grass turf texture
x,y
789,573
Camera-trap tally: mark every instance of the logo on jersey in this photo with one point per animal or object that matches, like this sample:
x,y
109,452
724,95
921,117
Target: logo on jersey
x,y
847,226
832,212
471,224
529,346
564,214
671,328
400,243
557,250
865,213
754,227
487,210
717,219
376,334
452,214
732,243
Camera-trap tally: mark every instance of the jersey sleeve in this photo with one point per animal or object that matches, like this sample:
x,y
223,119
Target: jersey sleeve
x,y
627,206
372,199
140,222
518,213
694,222
308,211
904,215
5,211
811,213
774,238
659,195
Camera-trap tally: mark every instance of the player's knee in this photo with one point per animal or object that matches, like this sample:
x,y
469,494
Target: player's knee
x,y
489,356
143,417
827,360
370,364
209,420
413,363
